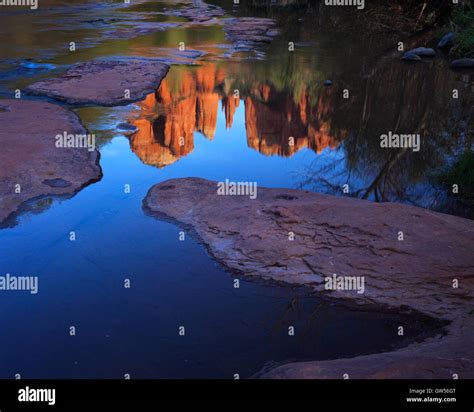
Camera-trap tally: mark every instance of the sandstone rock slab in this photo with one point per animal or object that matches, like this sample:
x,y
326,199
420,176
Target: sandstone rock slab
x,y
29,156
347,237
103,82
198,11
247,33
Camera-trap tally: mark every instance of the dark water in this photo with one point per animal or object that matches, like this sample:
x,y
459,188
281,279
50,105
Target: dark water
x,y
175,283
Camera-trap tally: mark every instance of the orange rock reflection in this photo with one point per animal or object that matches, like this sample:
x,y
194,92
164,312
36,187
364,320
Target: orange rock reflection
x,y
188,101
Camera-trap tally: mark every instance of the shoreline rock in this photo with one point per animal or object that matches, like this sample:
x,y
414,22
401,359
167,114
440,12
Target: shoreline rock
x,y
349,237
247,33
436,358
411,57
198,12
462,64
103,82
30,158
169,56
423,52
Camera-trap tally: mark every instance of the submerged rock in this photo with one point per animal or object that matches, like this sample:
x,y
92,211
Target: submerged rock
x,y
31,65
462,64
103,82
139,29
349,237
31,164
170,56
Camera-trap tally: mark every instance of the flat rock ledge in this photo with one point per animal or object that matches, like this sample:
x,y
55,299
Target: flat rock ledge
x,y
347,237
198,11
247,33
29,156
103,82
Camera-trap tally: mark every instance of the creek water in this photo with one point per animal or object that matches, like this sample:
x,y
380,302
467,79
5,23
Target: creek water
x,y
174,283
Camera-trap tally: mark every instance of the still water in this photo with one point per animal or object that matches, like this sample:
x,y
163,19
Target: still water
x,y
241,137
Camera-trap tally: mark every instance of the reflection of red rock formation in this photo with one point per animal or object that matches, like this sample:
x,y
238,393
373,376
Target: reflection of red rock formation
x,y
207,106
322,136
207,100
150,150
179,117
283,127
193,105
188,101
229,106
162,139
269,131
